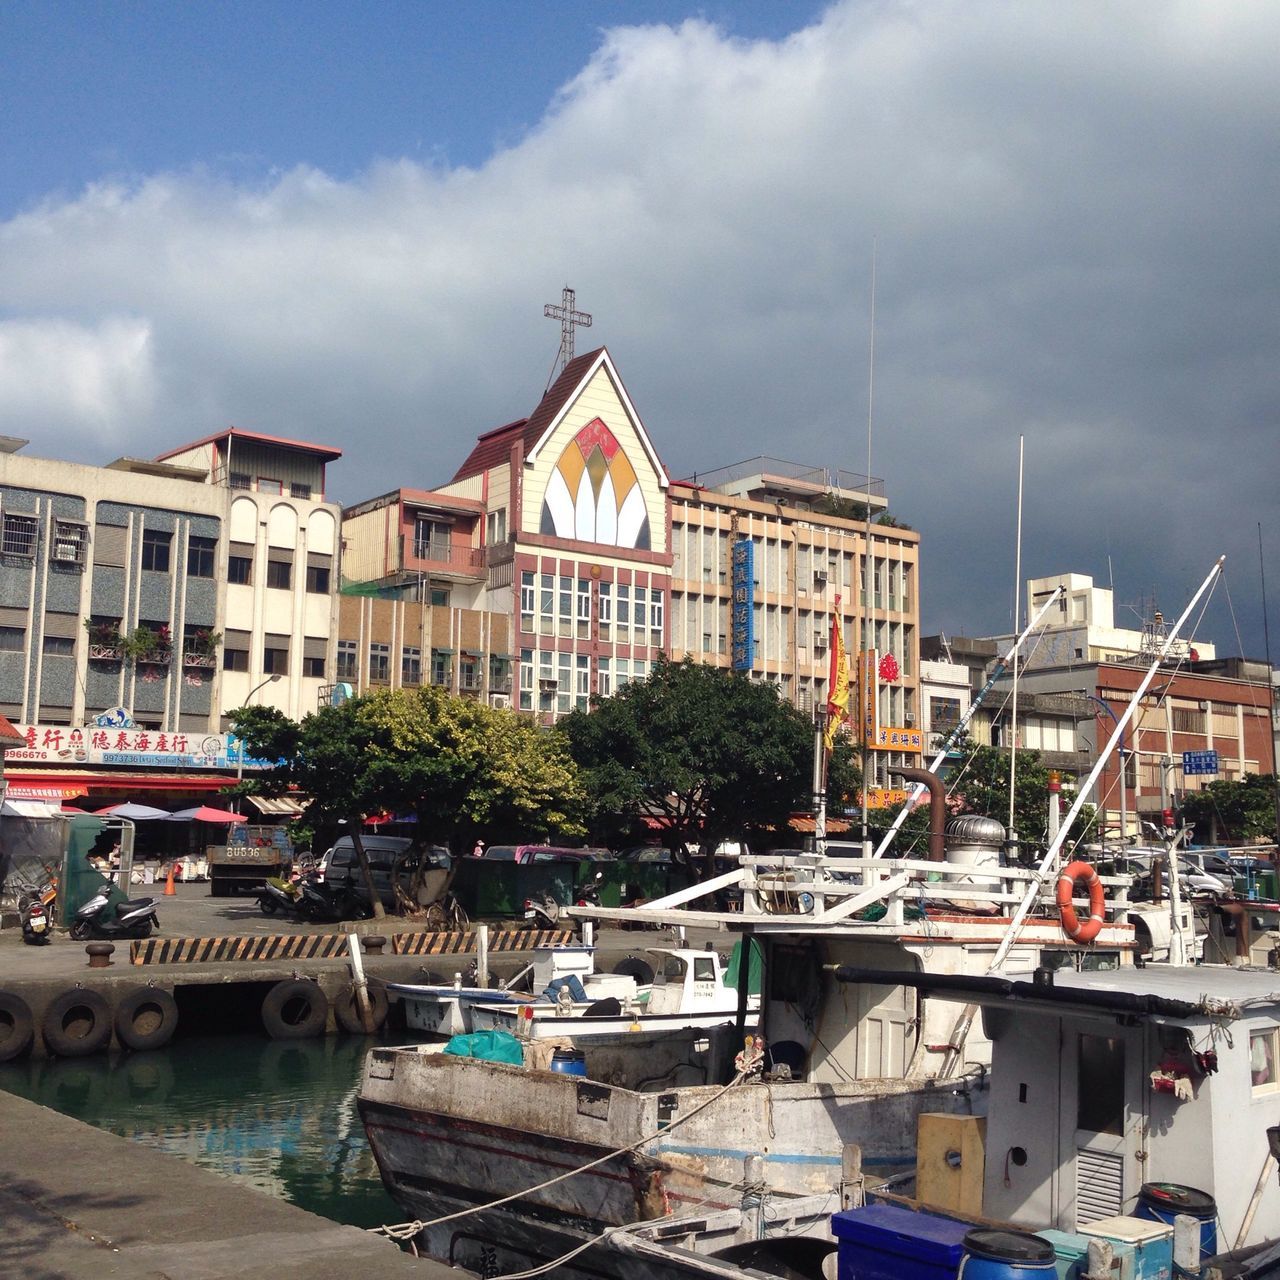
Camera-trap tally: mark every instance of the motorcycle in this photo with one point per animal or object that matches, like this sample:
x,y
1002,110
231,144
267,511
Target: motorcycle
x,y
321,901
98,918
544,910
280,895
36,927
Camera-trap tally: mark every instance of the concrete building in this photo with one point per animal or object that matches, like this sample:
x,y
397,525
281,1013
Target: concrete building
x,y
141,601
561,561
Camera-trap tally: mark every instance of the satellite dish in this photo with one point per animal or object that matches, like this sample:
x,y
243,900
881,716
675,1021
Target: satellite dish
x,y
341,692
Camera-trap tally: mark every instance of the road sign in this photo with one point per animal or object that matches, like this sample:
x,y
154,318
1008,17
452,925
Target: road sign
x,y
1199,762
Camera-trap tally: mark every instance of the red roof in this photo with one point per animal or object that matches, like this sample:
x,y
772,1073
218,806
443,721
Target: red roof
x,y
9,734
494,447
321,451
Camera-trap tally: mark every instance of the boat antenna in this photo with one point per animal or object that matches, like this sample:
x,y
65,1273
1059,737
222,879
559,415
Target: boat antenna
x,y
1271,686
866,666
1012,834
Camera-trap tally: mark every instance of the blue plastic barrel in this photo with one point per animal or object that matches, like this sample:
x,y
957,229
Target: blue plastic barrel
x,y
1164,1201
569,1062
991,1254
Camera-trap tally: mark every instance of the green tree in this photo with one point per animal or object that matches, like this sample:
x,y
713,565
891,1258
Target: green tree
x,y
1240,810
464,770
712,756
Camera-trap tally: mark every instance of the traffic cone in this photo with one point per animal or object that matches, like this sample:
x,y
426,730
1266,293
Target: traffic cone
x,y
169,890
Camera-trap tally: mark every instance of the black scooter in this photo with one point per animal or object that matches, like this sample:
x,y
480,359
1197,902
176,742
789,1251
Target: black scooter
x,y
128,919
37,929
318,900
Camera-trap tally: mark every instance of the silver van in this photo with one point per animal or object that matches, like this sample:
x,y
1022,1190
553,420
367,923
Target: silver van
x,y
392,862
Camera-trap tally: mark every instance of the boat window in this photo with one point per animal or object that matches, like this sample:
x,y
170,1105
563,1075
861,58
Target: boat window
x,y
1100,1085
704,969
673,968
1262,1060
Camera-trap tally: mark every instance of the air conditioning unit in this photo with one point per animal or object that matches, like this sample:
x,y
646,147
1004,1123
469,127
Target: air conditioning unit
x,y
548,682
819,575
501,700
820,639
910,717
67,552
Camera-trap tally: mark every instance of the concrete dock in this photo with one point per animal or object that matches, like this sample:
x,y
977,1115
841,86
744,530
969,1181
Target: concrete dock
x,y
77,1203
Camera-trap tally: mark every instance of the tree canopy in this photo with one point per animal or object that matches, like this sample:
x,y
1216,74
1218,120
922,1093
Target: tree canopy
x,y
463,769
711,755
1237,811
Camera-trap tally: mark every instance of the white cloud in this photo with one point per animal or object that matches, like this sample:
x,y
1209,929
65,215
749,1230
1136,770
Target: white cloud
x,y
1074,208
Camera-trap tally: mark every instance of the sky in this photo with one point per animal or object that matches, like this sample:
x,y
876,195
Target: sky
x,y
341,223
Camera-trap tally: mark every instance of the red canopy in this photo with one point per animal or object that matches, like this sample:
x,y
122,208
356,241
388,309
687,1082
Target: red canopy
x,y
205,813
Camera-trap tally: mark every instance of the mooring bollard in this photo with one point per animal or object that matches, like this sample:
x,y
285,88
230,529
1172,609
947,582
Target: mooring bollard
x,y
374,943
99,954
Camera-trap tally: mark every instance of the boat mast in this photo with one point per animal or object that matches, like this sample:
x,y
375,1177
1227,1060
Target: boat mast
x,y
1012,833
917,788
1051,855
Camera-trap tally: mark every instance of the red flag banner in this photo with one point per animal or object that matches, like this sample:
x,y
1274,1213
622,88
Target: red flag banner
x,y
837,679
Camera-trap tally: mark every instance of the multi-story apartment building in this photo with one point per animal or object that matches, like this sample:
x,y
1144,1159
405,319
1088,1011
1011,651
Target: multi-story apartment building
x,y
141,601
560,561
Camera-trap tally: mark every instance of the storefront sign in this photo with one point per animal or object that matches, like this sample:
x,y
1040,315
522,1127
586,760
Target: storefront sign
x,y
886,798
877,736
148,748
743,615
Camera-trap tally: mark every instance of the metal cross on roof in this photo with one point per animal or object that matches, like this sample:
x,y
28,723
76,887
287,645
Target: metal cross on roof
x,y
568,318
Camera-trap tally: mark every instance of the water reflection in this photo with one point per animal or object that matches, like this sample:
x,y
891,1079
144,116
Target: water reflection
x,y
277,1115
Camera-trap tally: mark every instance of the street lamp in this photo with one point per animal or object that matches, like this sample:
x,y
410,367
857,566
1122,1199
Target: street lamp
x,y
271,679
1124,814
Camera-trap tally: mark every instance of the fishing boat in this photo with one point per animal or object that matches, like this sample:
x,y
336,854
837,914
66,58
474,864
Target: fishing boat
x,y
1121,1101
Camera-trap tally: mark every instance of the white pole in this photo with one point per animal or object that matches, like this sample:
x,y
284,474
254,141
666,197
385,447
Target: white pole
x,y
1051,855
918,788
868,563
482,954
1017,614
819,792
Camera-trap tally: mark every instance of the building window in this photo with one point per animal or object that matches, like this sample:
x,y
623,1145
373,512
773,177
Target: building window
x,y
61,646
528,599
411,666
469,675
496,526
275,662
546,602
605,604
656,611
348,660
299,490
604,678
12,639
430,539
68,542
944,714
641,614
584,608
499,674
582,689
318,579
313,667
200,553
439,667
379,663
440,597
1188,720
239,480
279,574
19,537
526,679
240,570
624,607
268,484
235,659
155,550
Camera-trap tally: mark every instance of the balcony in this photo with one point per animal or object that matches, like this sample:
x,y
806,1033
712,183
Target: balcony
x,y
206,660
441,558
105,653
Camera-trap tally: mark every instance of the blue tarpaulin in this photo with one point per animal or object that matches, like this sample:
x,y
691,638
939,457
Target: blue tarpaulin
x,y
491,1046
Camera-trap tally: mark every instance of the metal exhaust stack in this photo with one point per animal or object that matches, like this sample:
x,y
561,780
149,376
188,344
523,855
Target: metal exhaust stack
x,y
937,809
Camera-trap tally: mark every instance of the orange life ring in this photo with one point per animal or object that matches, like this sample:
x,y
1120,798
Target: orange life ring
x,y
1074,930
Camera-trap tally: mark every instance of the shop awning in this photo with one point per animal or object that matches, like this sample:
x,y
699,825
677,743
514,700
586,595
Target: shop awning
x,y
81,782
29,809
55,792
279,806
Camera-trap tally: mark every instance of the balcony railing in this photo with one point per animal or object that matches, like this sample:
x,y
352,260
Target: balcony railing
x,y
190,659
440,556
105,653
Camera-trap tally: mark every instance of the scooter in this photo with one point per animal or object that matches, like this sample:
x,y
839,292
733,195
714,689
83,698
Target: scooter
x,y
280,895
128,919
320,901
544,910
36,927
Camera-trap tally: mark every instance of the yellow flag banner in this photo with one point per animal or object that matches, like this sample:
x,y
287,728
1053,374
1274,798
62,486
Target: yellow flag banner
x,y
837,680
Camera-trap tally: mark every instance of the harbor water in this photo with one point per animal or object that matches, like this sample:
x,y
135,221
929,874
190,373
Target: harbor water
x,y
277,1115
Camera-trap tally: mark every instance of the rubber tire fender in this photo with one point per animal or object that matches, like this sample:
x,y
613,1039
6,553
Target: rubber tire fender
x,y
17,1026
76,1024
295,1009
146,1019
635,967
347,1013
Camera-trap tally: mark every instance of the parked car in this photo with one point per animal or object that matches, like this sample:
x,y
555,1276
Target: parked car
x,y
526,853
392,861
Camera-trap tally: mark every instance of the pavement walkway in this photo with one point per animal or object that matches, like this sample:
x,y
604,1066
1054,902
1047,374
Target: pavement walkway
x,y
78,1203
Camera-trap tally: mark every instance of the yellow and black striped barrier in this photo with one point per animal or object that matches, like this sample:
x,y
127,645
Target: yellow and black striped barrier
x,y
460,941
287,946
